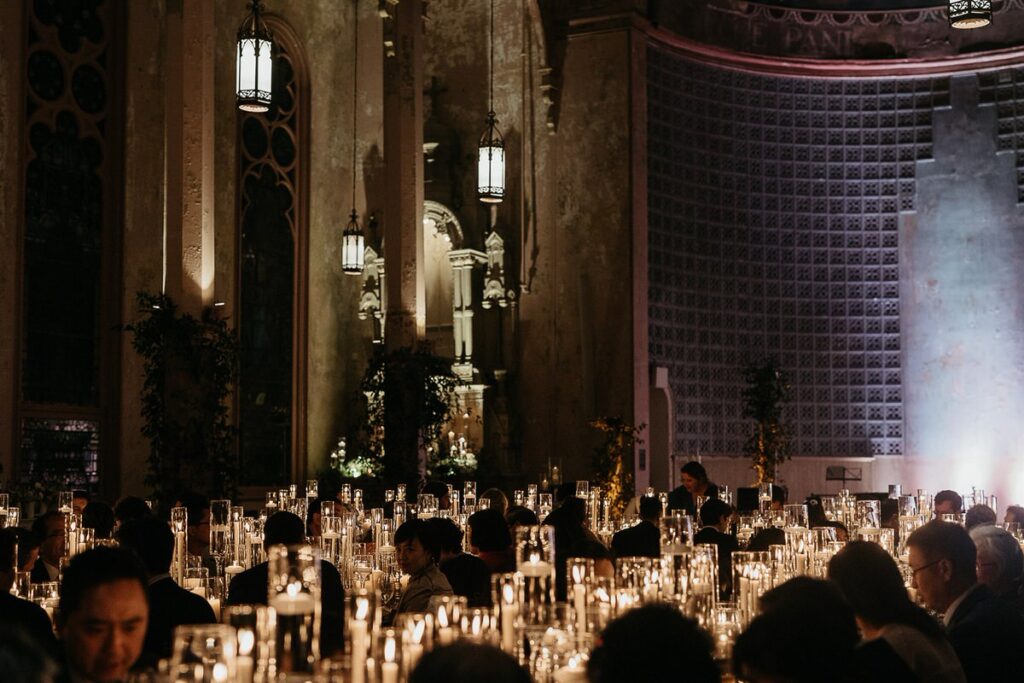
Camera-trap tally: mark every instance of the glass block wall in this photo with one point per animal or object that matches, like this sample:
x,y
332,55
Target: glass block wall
x,y
774,209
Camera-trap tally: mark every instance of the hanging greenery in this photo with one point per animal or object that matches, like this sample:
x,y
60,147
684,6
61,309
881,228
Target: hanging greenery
x,y
410,394
613,461
766,393
190,366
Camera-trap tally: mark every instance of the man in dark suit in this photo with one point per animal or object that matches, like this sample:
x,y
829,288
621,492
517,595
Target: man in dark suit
x,y
170,605
716,516
251,586
694,482
49,530
468,575
985,632
21,615
570,533
644,539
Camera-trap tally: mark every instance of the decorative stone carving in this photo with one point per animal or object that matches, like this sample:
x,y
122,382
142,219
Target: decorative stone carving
x,y
494,276
463,261
371,301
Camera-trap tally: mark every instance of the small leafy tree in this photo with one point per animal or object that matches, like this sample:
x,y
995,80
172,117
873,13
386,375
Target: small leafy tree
x,y
190,365
766,392
613,461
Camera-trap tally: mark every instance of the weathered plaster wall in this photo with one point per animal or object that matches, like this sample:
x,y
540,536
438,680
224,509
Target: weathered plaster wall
x,y
962,256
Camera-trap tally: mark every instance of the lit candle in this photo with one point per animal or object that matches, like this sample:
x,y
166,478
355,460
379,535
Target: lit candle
x,y
246,665
389,667
215,604
573,672
508,641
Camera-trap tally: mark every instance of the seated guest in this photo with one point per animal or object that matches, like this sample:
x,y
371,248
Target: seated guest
x,y
22,660
28,548
651,644
644,539
128,508
766,537
439,490
604,566
170,605
497,499
985,632
806,633
693,482
1014,515
20,615
816,519
947,503
519,515
79,500
49,530
250,587
468,575
198,508
716,515
100,517
314,521
102,616
465,662
872,584
1000,564
979,515
417,550
491,540
570,533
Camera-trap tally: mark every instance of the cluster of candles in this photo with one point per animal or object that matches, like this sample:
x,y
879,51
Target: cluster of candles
x,y
280,641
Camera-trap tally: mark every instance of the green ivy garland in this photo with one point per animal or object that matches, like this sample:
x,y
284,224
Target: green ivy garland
x,y
190,366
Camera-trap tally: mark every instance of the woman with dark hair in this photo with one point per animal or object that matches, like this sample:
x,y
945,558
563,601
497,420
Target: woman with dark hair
x,y
872,584
491,540
694,482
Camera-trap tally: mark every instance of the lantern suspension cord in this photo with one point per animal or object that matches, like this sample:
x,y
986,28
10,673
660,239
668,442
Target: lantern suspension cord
x,y
355,94
491,70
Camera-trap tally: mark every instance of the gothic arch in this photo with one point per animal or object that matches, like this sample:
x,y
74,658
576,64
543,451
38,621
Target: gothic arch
x,y
272,262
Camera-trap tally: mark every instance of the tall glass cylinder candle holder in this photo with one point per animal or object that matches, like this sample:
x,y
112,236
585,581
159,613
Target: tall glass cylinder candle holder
x,y
416,637
179,526
883,537
330,539
271,503
448,611
726,625
478,626
580,577
518,498
795,517
389,648
254,629
64,501
204,653
294,594
702,593
535,562
312,489
220,527
764,498
506,595
751,572
362,620
545,503
13,517
72,525
799,549
867,513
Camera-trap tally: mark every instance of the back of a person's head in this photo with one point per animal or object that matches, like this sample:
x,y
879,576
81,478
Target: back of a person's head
x,y
805,634
713,511
595,550
131,507
22,659
8,550
438,489
938,540
766,537
650,508
564,491
871,582
97,567
196,504
498,499
979,515
1001,546
421,530
653,643
950,497
489,530
448,534
519,515
151,540
780,494
1015,513
40,524
465,662
576,509
695,470
283,528
99,516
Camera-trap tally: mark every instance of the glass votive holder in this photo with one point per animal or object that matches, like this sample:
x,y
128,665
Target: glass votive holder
x,y
702,593
752,576
215,594
293,577
580,577
799,549
254,629
448,611
867,513
583,489
676,531
477,625
13,517
23,585
483,504
795,516
64,500
725,627
416,636
195,579
204,653
506,596
426,506
390,648
625,598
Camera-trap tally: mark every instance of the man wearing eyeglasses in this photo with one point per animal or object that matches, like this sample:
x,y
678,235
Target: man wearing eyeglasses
x,y
984,632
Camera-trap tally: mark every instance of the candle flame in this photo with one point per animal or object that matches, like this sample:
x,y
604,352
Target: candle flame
x,y
442,616
417,631
362,608
293,588
246,641
577,573
508,594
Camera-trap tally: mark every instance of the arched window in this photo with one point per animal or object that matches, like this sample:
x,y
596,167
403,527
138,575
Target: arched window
x,y
272,261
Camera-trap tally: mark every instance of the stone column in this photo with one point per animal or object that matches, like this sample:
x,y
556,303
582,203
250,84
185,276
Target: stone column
x,y
189,144
406,318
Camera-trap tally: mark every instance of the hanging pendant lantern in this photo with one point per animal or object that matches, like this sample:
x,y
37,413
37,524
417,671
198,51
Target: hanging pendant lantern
x,y
352,246
970,13
491,163
254,62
